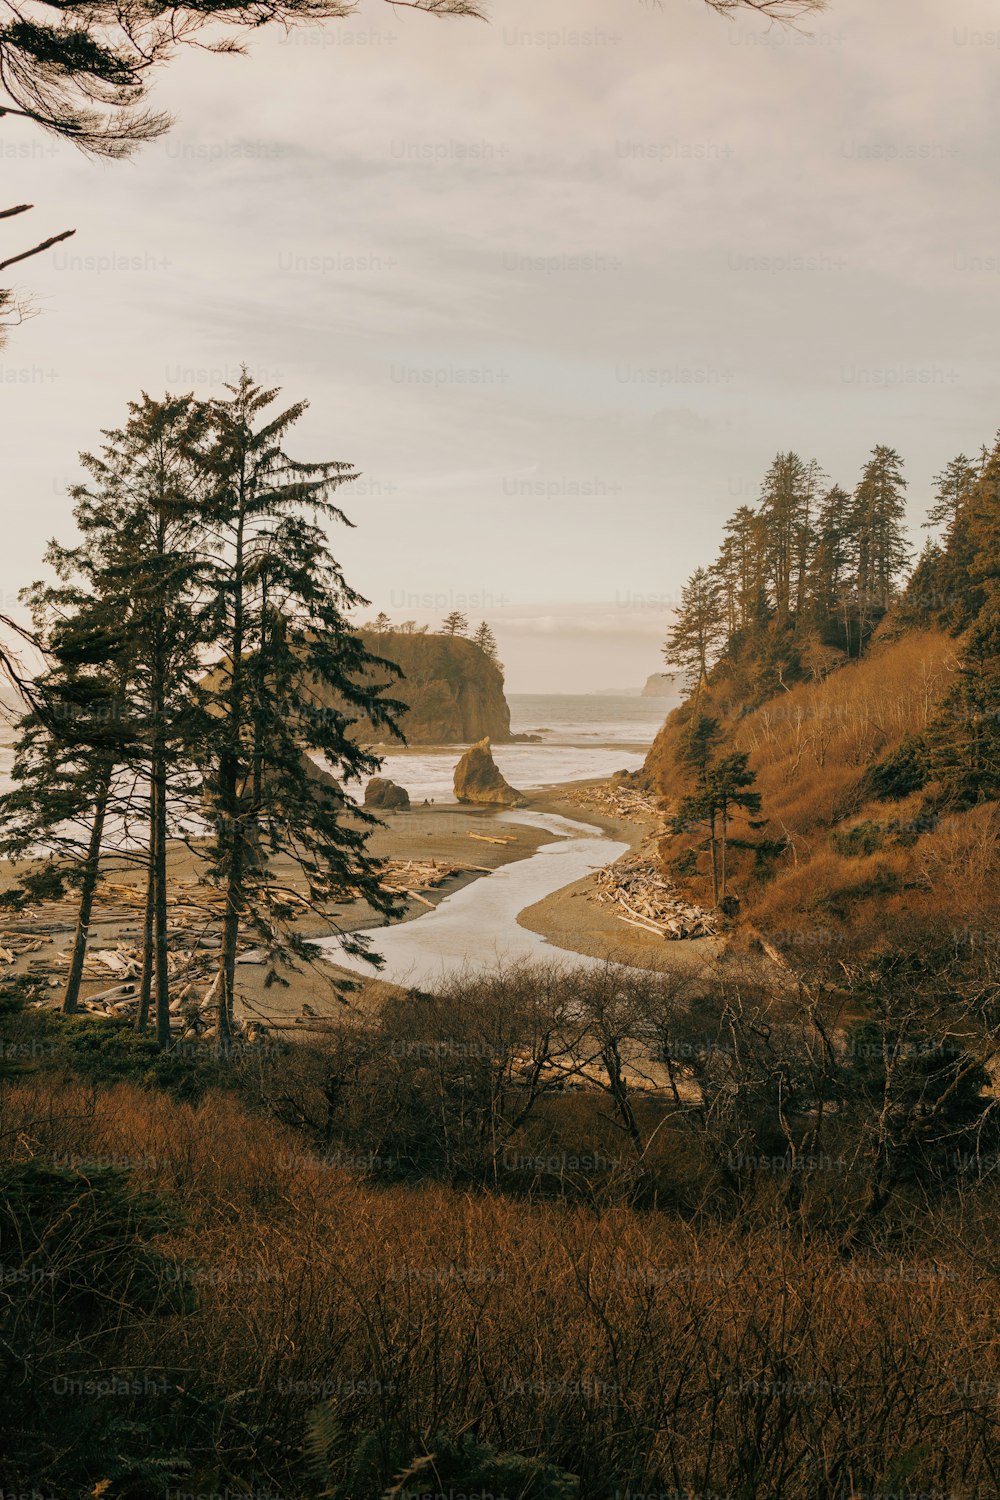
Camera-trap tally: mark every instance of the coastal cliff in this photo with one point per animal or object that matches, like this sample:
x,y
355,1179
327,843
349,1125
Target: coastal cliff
x,y
453,691
663,685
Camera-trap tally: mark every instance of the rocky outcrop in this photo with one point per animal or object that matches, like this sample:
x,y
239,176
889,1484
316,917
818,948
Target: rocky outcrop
x,y
452,690
386,795
477,779
663,685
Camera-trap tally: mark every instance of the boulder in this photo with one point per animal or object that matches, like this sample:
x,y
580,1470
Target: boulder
x,y
478,780
385,794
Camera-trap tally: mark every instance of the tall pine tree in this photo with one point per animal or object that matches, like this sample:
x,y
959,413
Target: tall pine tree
x,y
697,630
279,603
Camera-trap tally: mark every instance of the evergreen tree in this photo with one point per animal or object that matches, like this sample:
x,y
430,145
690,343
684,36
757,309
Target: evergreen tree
x,y
74,756
719,788
785,506
729,788
739,572
964,740
956,577
832,569
882,550
142,515
805,535
976,536
725,573
455,624
279,603
697,630
954,485
487,643
694,758
83,71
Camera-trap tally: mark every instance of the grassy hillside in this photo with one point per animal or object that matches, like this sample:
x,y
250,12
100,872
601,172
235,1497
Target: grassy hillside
x,y
847,859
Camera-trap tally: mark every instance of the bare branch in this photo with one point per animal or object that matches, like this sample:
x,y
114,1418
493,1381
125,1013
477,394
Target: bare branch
x,y
45,245
787,11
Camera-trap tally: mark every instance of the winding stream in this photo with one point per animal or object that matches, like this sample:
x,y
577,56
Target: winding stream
x,y
475,927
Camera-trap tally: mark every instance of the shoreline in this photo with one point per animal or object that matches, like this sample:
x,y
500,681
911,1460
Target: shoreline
x,y
321,990
367,992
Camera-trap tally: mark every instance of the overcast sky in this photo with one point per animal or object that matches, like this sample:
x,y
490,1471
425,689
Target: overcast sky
x,y
560,285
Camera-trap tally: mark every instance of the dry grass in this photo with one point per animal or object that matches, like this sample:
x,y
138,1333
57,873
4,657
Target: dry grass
x,y
639,1352
810,746
810,749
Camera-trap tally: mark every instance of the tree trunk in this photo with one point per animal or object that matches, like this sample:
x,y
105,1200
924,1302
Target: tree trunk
x,y
71,995
227,955
161,972
715,862
146,982
725,846
230,808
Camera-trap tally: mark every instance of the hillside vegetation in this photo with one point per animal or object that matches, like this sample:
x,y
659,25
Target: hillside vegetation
x,y
834,774
391,1265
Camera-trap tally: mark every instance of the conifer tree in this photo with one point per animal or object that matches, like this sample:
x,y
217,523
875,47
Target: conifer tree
x,y
785,503
729,788
142,515
279,603
954,485
697,630
75,754
805,535
725,573
740,571
694,756
976,537
487,643
882,550
833,567
455,624
964,740
83,72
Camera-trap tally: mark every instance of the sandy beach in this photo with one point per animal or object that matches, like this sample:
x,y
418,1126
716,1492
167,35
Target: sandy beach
x,y
449,834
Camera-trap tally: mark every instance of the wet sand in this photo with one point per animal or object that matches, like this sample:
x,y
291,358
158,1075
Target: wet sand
x,y
569,919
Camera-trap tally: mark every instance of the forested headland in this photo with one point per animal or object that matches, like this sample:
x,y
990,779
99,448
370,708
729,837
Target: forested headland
x,y
839,749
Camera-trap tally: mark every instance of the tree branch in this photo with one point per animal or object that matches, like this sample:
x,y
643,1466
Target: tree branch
x,y
45,245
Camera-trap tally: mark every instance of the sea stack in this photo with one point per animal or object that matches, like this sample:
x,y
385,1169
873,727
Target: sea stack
x,y
385,794
478,780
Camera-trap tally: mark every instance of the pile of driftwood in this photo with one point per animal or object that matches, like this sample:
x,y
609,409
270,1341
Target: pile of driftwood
x,y
618,801
192,957
645,898
14,945
409,877
192,1009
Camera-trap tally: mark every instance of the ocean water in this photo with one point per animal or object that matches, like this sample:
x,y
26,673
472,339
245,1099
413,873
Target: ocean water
x,y
581,719
582,736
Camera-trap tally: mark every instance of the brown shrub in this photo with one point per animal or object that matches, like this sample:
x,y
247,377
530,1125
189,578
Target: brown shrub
x,y
637,1351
